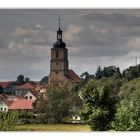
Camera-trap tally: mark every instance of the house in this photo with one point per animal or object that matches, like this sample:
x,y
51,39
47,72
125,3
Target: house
x,y
22,89
3,97
21,104
76,119
4,84
14,97
40,89
30,96
4,105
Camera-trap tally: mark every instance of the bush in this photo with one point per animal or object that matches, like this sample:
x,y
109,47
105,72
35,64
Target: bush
x,y
8,120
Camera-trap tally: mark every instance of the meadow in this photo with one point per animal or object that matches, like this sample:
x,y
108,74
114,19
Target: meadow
x,y
53,127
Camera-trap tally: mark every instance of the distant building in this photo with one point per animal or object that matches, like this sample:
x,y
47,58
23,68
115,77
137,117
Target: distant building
x,y
59,64
22,89
30,96
20,105
4,84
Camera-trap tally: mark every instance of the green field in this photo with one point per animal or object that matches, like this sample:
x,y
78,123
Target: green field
x,y
53,127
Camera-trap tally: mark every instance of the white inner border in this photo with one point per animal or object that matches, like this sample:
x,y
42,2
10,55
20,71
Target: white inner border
x,y
71,4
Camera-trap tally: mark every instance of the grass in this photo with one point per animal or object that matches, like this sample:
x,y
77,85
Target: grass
x,y
53,127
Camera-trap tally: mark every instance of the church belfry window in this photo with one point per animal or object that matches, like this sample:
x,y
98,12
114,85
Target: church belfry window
x,y
59,37
57,53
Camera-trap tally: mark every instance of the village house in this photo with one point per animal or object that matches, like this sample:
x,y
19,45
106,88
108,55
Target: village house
x,y
22,89
4,105
19,105
30,96
4,84
40,89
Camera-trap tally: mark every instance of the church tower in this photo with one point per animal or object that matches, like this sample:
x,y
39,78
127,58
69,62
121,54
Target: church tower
x,y
59,60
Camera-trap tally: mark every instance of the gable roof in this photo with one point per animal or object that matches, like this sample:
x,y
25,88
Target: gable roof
x,y
7,102
4,84
25,86
3,96
21,104
73,76
29,92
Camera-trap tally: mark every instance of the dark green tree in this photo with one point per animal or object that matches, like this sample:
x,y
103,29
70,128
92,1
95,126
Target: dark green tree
x,y
1,90
110,71
98,107
20,79
27,79
44,80
99,73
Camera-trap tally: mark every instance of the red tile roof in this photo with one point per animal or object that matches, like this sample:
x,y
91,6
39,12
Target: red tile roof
x,y
4,84
25,86
73,76
7,102
21,104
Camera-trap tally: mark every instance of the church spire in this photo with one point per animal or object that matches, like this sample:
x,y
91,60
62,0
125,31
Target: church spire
x,y
59,43
59,21
59,32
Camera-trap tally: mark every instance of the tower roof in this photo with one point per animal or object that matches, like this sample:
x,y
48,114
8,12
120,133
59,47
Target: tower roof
x,y
59,43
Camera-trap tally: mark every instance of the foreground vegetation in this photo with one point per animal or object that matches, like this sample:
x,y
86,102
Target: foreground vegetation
x,y
109,100
52,127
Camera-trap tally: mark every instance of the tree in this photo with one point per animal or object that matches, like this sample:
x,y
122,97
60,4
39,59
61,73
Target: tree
x,y
99,73
110,71
98,106
44,80
27,79
85,75
128,108
20,79
1,90
58,103
8,120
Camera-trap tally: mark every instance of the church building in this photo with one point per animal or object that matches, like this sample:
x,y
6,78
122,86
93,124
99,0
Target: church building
x,y
59,64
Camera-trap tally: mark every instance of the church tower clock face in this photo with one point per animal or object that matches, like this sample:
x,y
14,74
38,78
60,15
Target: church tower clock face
x,y
59,60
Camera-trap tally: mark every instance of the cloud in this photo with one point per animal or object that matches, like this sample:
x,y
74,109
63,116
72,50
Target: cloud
x,y
116,19
21,32
71,34
93,37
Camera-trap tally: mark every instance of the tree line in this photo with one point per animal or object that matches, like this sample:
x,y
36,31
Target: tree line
x,y
106,100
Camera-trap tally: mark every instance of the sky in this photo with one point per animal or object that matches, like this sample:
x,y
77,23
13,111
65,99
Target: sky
x,y
93,37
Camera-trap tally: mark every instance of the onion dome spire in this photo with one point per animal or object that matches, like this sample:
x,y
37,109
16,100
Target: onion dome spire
x,y
59,43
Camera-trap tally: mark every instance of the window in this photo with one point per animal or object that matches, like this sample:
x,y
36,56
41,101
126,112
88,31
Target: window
x,y
1,109
26,97
57,53
59,37
30,97
5,108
